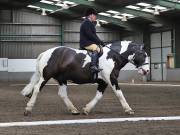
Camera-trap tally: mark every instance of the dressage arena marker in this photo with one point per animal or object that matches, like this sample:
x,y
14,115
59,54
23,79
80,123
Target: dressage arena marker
x,y
87,121
131,84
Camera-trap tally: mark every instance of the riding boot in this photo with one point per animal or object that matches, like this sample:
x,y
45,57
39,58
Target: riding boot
x,y
94,62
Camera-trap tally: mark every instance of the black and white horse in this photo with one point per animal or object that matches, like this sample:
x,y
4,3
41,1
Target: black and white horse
x,y
64,63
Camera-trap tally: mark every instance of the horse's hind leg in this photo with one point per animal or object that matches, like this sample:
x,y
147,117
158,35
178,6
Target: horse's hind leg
x,y
63,94
28,90
32,100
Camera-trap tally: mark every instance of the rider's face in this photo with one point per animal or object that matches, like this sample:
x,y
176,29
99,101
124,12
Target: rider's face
x,y
93,17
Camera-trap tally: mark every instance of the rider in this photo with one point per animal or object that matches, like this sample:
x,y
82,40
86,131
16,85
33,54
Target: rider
x,y
88,38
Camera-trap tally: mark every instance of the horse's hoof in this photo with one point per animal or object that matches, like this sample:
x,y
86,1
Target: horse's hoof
x,y
130,112
26,113
75,112
85,111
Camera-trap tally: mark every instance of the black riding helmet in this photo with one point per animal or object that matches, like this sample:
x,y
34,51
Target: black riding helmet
x,y
90,11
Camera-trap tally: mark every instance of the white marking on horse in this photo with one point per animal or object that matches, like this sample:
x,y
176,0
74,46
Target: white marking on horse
x,y
146,67
124,46
62,91
106,64
131,57
63,94
45,58
87,59
78,51
93,102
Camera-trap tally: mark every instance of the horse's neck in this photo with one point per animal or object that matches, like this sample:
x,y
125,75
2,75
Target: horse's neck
x,y
122,60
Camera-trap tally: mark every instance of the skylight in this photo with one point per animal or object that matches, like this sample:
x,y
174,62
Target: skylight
x,y
148,10
32,6
47,2
113,12
161,8
104,14
103,21
69,2
175,1
59,4
133,7
143,4
117,17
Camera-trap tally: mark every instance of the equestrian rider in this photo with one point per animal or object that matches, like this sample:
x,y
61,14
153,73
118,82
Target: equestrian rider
x,y
89,40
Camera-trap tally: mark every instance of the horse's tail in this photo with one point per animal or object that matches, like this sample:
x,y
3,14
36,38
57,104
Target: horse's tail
x,y
34,79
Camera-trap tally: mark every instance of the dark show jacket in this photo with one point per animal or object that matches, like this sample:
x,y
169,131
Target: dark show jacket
x,y
88,34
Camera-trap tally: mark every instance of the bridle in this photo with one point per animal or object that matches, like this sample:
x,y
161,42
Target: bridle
x,y
130,61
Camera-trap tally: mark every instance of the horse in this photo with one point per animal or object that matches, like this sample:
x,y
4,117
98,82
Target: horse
x,y
65,64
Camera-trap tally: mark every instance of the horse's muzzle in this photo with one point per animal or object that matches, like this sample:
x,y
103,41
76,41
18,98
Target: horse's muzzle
x,y
143,71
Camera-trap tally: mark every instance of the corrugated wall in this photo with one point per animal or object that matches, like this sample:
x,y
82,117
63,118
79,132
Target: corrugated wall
x,y
135,37
28,34
24,35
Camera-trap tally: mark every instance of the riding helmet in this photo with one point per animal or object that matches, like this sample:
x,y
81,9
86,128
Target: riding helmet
x,y
90,11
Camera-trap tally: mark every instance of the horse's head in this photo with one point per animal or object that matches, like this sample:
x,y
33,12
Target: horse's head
x,y
140,59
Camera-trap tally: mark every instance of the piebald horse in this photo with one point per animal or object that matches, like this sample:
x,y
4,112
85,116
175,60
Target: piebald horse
x,y
67,64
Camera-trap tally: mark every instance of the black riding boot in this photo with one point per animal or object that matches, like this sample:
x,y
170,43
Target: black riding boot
x,y
94,62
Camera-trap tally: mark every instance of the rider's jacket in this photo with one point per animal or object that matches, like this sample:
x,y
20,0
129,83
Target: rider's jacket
x,y
88,34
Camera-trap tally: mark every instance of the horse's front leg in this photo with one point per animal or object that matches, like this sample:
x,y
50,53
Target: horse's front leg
x,y
63,94
99,94
115,87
